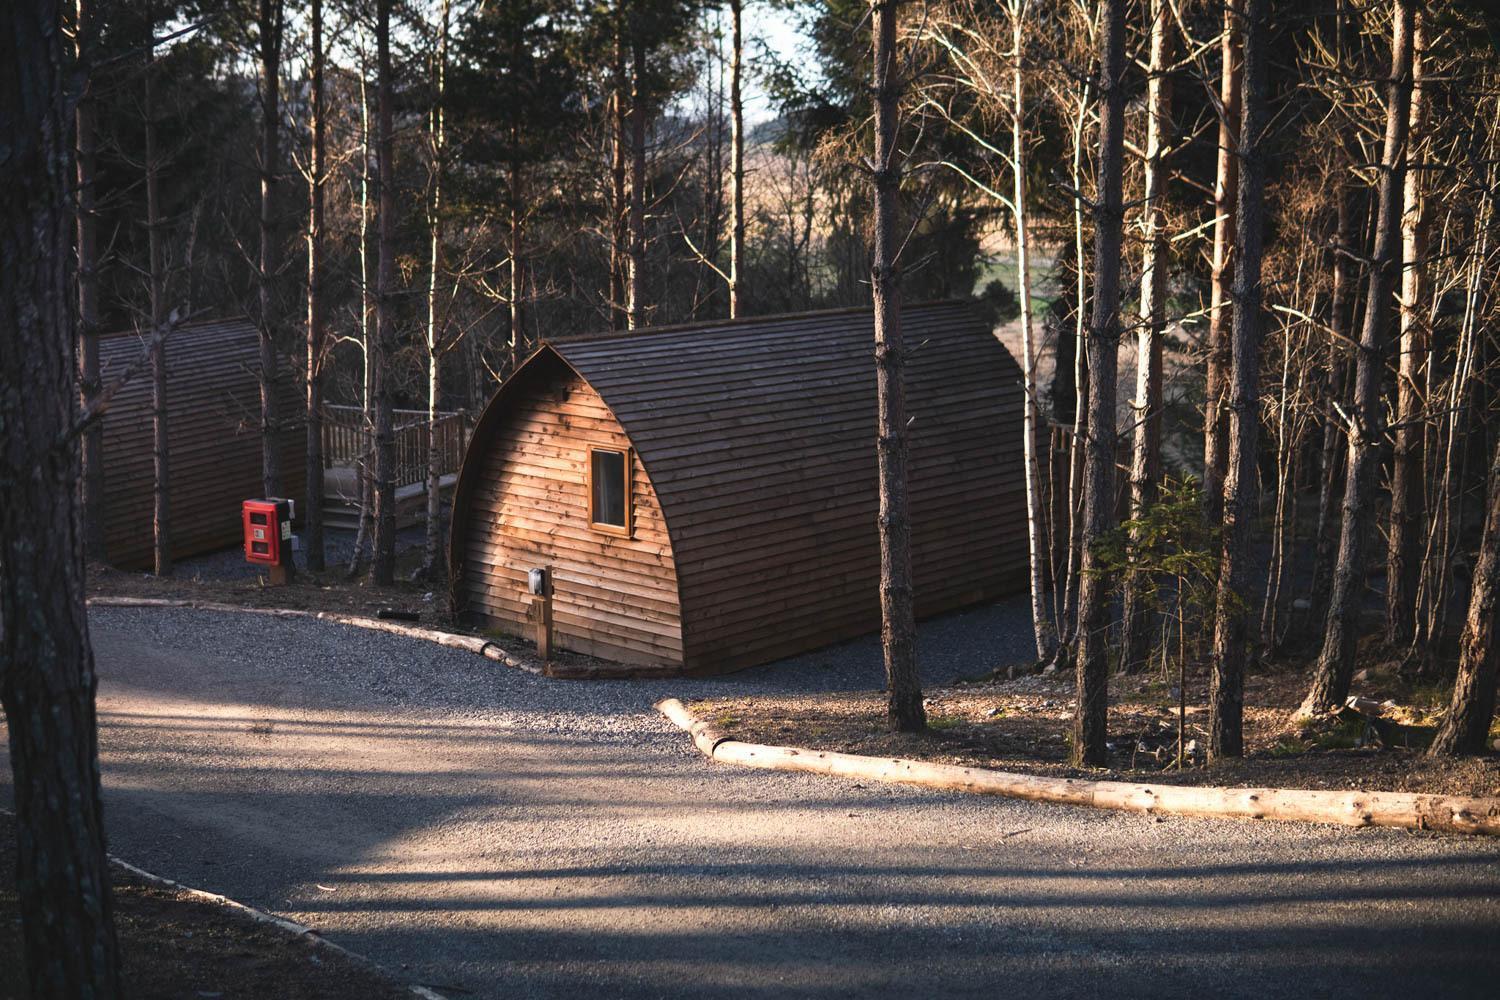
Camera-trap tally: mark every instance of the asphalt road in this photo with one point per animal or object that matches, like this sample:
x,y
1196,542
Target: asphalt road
x,y
500,835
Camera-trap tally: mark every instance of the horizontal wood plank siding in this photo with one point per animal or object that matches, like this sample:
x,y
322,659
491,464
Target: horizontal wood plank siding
x,y
525,504
213,421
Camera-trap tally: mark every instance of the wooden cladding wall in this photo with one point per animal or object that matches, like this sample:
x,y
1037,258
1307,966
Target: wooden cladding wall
x,y
213,418
527,506
760,438
755,445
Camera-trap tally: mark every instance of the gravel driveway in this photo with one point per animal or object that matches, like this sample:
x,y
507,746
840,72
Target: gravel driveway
x,y
491,833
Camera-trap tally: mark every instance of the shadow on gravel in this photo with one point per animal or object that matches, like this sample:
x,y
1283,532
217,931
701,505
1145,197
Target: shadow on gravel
x,y
1003,952
507,835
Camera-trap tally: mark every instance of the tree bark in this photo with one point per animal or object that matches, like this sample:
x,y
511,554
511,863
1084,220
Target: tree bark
x,y
1041,622
1472,711
1335,664
1145,465
383,562
432,549
618,248
364,475
1078,447
1330,485
898,627
1090,717
516,194
1404,539
1215,415
312,517
736,164
1227,679
161,497
86,125
47,679
635,302
269,21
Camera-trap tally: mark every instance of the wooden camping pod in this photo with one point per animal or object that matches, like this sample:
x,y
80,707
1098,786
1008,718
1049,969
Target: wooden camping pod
x,y
753,485
213,435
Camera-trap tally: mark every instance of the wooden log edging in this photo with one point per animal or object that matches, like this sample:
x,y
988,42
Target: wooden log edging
x,y
488,648
1402,810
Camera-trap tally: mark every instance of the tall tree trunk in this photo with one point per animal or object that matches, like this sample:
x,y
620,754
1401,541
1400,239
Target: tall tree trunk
x,y
312,517
1472,711
1447,505
1330,484
1231,631
1079,445
635,303
1336,661
1215,414
516,227
898,626
1145,465
736,165
518,340
364,462
47,678
161,497
383,563
86,125
435,327
618,239
1090,717
1041,621
269,23
1408,515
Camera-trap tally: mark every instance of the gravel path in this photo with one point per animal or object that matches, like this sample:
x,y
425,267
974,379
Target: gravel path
x,y
500,834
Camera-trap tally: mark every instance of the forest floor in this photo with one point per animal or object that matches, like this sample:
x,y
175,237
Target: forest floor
x,y
225,578
1023,725
175,945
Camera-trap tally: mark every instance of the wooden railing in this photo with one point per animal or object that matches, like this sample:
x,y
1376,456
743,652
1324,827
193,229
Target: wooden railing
x,y
347,441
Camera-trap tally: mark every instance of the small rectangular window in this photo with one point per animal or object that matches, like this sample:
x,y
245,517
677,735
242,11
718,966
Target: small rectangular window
x,y
609,490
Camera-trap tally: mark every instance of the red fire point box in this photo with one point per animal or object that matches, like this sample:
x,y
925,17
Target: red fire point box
x,y
268,531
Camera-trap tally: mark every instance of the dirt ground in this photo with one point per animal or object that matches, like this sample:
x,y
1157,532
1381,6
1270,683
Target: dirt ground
x,y
1024,724
331,590
173,945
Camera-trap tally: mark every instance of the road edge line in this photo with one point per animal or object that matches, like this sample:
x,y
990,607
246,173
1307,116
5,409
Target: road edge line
x,y
480,645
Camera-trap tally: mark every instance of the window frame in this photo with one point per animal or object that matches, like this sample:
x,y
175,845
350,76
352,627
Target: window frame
x,y
628,456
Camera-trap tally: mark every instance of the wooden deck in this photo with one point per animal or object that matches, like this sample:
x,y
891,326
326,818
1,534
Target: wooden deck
x,y
347,443
341,498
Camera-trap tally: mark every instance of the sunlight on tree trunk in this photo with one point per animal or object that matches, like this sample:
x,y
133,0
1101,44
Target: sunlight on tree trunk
x,y
270,23
1090,716
1215,414
1404,537
1138,616
383,563
898,628
1335,664
1472,712
312,516
1041,622
1231,632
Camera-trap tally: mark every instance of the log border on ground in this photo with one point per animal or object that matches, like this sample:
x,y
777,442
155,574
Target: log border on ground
x,y
1400,810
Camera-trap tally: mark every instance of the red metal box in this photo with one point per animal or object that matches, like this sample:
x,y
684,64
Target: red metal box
x,y
261,520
